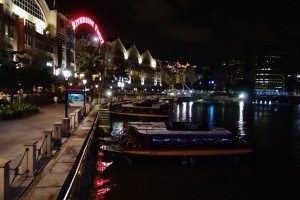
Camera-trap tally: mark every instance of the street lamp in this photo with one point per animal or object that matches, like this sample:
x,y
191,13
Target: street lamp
x,y
84,81
66,74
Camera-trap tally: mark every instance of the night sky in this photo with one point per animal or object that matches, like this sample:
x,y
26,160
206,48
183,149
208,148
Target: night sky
x,y
200,32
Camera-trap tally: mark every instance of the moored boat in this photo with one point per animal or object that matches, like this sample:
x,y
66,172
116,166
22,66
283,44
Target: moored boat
x,y
179,139
148,108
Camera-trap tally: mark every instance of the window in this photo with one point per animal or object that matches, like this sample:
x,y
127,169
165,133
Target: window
x,y
6,30
11,32
29,24
39,44
28,40
32,7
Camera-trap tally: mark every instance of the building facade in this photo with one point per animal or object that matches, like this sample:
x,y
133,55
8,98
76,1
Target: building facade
x,y
31,29
141,69
229,73
269,77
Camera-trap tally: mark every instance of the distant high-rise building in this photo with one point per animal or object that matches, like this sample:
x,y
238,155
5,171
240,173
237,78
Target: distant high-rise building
x,y
269,78
230,72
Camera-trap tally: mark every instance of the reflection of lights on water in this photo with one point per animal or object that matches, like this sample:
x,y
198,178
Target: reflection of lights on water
x,y
102,166
211,114
190,110
223,112
183,114
101,193
241,122
100,181
177,112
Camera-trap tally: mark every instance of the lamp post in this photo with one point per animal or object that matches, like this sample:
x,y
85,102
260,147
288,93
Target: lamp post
x,y
66,74
84,81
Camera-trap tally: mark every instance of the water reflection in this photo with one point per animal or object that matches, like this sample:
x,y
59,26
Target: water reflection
x,y
297,137
211,115
190,113
241,123
183,114
274,132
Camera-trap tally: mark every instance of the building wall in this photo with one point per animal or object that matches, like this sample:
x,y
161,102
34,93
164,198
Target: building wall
x,y
35,32
269,77
139,66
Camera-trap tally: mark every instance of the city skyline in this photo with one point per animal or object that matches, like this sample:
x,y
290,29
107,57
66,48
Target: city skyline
x,y
197,32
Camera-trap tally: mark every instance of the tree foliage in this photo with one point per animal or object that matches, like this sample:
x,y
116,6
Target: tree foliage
x,y
88,58
13,78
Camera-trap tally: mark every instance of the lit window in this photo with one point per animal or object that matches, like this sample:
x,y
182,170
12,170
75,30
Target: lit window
x,y
6,30
32,7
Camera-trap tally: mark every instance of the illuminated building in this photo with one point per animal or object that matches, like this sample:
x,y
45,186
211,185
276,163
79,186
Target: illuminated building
x,y
142,69
33,30
269,79
177,73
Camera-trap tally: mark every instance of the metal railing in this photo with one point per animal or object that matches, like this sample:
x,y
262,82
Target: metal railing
x,y
72,182
16,169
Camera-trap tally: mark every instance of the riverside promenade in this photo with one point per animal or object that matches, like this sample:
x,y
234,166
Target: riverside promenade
x,y
14,133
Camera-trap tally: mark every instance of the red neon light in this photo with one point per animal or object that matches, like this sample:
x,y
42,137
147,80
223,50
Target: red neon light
x,y
86,20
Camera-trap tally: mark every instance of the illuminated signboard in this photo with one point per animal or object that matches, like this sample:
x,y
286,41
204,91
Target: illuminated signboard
x,y
86,20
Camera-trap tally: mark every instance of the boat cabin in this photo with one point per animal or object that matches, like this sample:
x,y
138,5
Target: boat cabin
x,y
178,135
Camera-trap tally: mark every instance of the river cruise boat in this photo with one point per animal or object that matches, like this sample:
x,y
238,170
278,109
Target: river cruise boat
x,y
148,108
177,139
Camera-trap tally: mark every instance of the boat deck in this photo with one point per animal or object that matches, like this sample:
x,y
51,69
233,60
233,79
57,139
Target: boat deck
x,y
140,114
192,152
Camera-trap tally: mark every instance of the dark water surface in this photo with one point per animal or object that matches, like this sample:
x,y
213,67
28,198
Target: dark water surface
x,y
273,172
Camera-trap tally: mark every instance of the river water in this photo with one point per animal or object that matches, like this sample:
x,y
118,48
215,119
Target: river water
x,y
273,172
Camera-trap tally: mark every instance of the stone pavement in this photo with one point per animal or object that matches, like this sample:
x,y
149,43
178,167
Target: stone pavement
x,y
48,183
13,134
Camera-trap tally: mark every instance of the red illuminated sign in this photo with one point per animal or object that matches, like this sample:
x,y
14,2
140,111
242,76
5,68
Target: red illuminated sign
x,y
86,20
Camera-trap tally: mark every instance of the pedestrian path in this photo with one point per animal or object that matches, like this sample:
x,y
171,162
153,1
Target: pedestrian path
x,y
49,182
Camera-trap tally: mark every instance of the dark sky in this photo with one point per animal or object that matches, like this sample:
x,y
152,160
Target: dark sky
x,y
200,32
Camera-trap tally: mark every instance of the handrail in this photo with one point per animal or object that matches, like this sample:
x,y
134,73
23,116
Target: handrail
x,y
66,188
16,169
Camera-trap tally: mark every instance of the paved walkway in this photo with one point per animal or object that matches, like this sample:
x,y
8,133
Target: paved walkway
x,y
14,133
49,182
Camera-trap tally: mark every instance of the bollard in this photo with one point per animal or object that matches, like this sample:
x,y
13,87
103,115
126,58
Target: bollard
x,y
72,120
29,160
4,179
65,127
57,131
77,116
47,147
88,108
83,111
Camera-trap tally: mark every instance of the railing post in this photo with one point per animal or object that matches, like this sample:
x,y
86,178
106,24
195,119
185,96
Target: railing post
x,y
4,179
29,160
47,147
77,120
66,127
72,120
88,108
83,111
57,131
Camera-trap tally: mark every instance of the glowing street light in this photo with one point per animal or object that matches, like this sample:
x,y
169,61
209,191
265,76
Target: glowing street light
x,y
66,74
84,81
